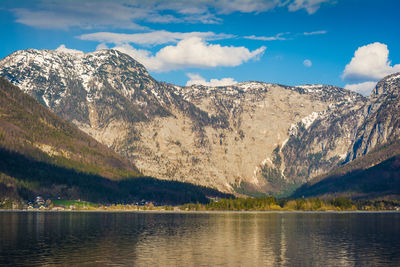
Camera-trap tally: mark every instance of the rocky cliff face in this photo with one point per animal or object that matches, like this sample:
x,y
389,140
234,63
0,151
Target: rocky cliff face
x,y
250,136
381,114
346,132
263,120
315,148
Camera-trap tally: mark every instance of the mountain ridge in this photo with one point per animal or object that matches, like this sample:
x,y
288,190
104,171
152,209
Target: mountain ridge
x,y
34,130
371,166
255,136
43,155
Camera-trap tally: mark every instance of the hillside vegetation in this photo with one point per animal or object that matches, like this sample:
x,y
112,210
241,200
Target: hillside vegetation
x,y
375,175
250,138
29,128
41,154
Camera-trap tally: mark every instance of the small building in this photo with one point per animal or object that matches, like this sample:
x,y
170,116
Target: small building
x,y
39,201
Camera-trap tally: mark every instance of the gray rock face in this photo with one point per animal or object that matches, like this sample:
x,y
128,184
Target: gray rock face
x,y
381,114
346,132
250,136
317,148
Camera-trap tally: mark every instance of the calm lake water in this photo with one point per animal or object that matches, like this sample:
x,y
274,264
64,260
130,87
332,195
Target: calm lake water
x,y
227,239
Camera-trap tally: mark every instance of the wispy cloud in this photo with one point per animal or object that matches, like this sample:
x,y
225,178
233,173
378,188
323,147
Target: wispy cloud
x,y
315,33
151,38
268,38
130,14
311,6
81,14
284,36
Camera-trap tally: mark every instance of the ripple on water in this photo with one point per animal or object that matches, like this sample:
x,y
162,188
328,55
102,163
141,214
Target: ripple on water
x,y
229,239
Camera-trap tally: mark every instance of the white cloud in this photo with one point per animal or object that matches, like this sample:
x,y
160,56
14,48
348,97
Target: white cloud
x,y
283,36
151,38
81,14
314,33
265,38
311,6
129,14
243,6
101,46
62,48
370,62
197,79
307,63
143,56
192,53
246,6
364,88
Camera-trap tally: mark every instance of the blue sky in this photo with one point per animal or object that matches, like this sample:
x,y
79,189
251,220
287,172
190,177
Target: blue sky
x,y
348,43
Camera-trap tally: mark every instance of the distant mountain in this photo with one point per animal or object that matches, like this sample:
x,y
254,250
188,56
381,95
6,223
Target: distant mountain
x,y
382,118
245,138
371,168
41,154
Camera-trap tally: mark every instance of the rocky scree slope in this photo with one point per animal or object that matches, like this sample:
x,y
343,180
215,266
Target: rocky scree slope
x,y
246,137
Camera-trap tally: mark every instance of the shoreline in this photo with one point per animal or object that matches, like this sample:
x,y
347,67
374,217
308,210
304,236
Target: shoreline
x,y
201,212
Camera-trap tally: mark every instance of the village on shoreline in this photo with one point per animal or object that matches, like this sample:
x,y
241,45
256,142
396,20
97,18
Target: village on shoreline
x,y
265,204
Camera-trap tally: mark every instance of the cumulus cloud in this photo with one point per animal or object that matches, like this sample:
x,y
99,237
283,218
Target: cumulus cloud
x,y
192,53
370,62
151,38
307,63
311,6
62,48
129,14
197,79
144,56
364,88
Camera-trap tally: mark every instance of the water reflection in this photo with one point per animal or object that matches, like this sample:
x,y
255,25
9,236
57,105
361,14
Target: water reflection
x,y
120,239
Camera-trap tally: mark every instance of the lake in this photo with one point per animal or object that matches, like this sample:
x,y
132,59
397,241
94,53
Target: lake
x,y
199,239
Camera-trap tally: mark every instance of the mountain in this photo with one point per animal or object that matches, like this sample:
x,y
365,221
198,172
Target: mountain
x,y
382,118
264,120
371,166
41,154
375,175
315,148
245,138
28,128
